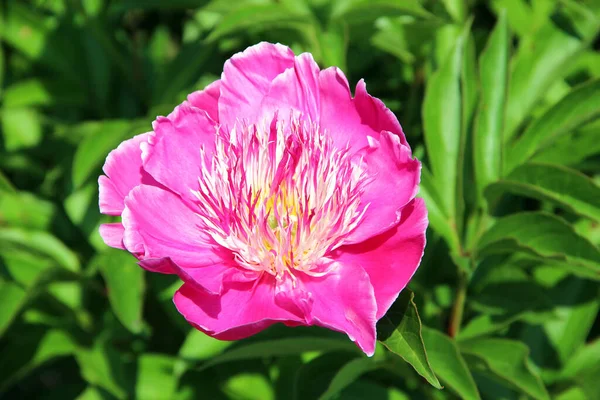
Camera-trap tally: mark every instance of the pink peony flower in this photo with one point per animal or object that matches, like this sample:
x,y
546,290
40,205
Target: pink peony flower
x,y
276,197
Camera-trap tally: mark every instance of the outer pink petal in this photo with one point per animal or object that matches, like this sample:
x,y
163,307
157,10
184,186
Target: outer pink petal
x,y
243,309
394,182
112,234
344,301
158,224
392,258
208,99
172,153
338,112
247,77
296,90
375,114
123,169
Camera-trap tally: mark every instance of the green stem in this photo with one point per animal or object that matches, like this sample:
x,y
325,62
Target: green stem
x,y
459,305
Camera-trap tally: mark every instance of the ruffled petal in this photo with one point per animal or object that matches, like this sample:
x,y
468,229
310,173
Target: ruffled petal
x,y
392,258
375,114
243,309
208,100
246,79
295,92
344,301
158,224
112,234
172,154
123,169
394,178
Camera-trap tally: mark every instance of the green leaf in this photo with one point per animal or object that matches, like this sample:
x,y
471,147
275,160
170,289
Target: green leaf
x,y
448,364
199,346
314,377
399,330
280,347
572,149
436,214
543,58
507,360
249,386
348,374
25,210
542,235
29,350
38,92
102,138
562,186
361,11
493,75
256,16
12,298
583,361
457,9
126,5
155,377
21,128
125,286
102,366
577,108
442,124
40,243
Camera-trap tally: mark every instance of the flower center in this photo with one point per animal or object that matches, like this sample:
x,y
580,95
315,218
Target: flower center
x,y
279,195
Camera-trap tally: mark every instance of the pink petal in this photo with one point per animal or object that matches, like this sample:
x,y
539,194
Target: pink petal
x,y
123,169
395,178
344,301
158,224
339,116
208,99
296,90
375,114
172,153
247,77
392,258
112,234
243,309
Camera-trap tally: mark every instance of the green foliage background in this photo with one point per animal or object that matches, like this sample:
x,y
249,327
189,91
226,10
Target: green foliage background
x,y
501,101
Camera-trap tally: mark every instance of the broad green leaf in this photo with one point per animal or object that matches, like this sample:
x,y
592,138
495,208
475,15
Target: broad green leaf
x,y
29,350
543,57
562,186
572,149
126,5
25,210
125,287
12,298
348,374
457,9
21,128
436,214
448,364
101,366
102,138
5,184
155,377
249,386
314,377
256,16
391,37
580,106
584,360
40,243
399,330
360,11
199,346
280,347
442,124
493,76
542,235
507,360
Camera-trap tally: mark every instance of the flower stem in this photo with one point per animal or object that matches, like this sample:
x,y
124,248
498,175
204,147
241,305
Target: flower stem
x,y
459,305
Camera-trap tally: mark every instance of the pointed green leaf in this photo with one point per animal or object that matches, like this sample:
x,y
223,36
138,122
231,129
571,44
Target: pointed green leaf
x,y
507,360
399,330
493,75
448,364
12,298
562,186
542,235
155,377
349,374
580,106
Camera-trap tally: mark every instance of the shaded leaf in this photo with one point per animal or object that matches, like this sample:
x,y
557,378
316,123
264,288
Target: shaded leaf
x,y
399,330
12,298
448,364
360,11
348,374
505,359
